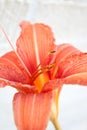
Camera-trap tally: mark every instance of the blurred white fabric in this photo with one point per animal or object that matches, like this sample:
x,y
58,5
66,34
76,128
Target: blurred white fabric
x,y
68,20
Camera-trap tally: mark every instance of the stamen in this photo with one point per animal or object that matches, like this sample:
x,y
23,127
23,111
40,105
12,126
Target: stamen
x,y
51,52
40,71
49,67
36,74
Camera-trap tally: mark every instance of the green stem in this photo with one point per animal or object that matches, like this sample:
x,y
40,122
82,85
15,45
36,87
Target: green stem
x,y
56,124
54,110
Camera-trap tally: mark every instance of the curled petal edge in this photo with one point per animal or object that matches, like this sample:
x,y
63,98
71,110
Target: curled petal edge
x,y
79,78
17,85
26,88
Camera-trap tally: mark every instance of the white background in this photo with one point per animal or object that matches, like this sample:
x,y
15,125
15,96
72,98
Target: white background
x,y
68,20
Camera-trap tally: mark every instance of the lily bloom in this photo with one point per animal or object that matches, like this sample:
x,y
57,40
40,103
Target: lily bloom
x,y
38,68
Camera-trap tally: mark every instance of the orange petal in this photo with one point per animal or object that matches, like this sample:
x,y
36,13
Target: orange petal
x,y
34,44
52,85
80,78
62,52
74,69
32,111
11,69
25,88
65,50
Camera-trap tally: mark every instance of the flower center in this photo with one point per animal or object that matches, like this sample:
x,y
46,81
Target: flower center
x,y
40,81
40,76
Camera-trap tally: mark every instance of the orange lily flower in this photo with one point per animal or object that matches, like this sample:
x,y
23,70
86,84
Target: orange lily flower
x,y
38,69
